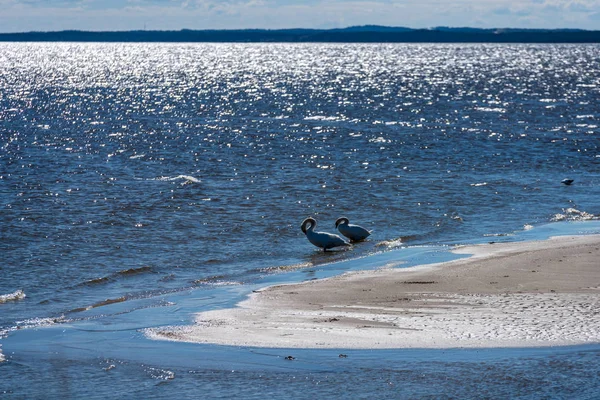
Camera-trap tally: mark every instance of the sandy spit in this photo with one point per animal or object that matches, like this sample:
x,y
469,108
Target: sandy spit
x,y
523,294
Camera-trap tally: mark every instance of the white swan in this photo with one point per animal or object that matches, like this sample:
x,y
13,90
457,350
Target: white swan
x,y
353,232
323,240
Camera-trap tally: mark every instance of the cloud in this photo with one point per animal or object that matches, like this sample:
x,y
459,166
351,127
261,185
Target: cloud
x,y
573,5
231,14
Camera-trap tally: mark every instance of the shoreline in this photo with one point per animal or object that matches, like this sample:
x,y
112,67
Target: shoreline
x,y
517,294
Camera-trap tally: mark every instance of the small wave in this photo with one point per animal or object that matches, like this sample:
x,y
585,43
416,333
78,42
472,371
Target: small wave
x,y
123,273
109,367
99,304
2,358
39,322
109,301
491,109
133,271
572,214
161,374
31,323
186,178
390,244
18,295
379,139
322,118
167,278
398,242
95,281
216,282
290,267
209,279
497,234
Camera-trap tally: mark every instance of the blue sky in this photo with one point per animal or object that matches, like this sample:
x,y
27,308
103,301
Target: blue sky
x,y
51,15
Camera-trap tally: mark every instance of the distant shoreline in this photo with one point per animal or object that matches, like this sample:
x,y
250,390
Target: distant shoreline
x,y
360,34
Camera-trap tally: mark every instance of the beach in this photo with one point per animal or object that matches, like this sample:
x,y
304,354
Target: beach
x,y
521,294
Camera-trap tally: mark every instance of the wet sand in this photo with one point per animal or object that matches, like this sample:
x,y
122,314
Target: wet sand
x,y
524,294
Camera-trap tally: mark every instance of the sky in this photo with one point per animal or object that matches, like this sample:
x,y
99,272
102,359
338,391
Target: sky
x,y
113,15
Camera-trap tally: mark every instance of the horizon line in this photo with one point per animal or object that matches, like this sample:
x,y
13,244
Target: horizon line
x,y
364,29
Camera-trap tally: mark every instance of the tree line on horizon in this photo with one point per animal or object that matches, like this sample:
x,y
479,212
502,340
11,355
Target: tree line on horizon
x,y
358,34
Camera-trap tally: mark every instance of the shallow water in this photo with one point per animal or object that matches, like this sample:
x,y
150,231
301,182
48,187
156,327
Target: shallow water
x,y
104,350
138,180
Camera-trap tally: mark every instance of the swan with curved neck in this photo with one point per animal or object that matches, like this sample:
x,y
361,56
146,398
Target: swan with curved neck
x,y
355,233
323,240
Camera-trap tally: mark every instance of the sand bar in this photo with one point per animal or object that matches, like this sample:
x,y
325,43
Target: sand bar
x,y
524,294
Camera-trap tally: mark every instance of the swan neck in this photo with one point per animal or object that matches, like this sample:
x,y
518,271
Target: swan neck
x,y
309,225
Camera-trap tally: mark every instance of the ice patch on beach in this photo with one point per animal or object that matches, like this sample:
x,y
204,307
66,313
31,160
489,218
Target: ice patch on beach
x,y
572,214
18,295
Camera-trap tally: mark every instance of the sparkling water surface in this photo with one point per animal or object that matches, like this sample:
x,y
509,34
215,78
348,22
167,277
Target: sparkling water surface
x,y
132,173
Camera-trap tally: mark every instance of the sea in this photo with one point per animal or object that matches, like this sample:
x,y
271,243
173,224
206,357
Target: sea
x,y
141,183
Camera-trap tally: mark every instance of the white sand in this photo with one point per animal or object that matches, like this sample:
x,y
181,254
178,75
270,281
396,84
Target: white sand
x,y
544,293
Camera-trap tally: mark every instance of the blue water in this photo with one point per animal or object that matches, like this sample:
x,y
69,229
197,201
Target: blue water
x,y
140,183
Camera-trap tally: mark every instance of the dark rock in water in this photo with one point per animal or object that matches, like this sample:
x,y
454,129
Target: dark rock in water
x,y
567,181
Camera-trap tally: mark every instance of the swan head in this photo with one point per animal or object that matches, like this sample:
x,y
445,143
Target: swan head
x,y
341,220
305,224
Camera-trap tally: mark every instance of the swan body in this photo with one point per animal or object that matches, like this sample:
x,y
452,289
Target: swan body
x,y
323,240
355,233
